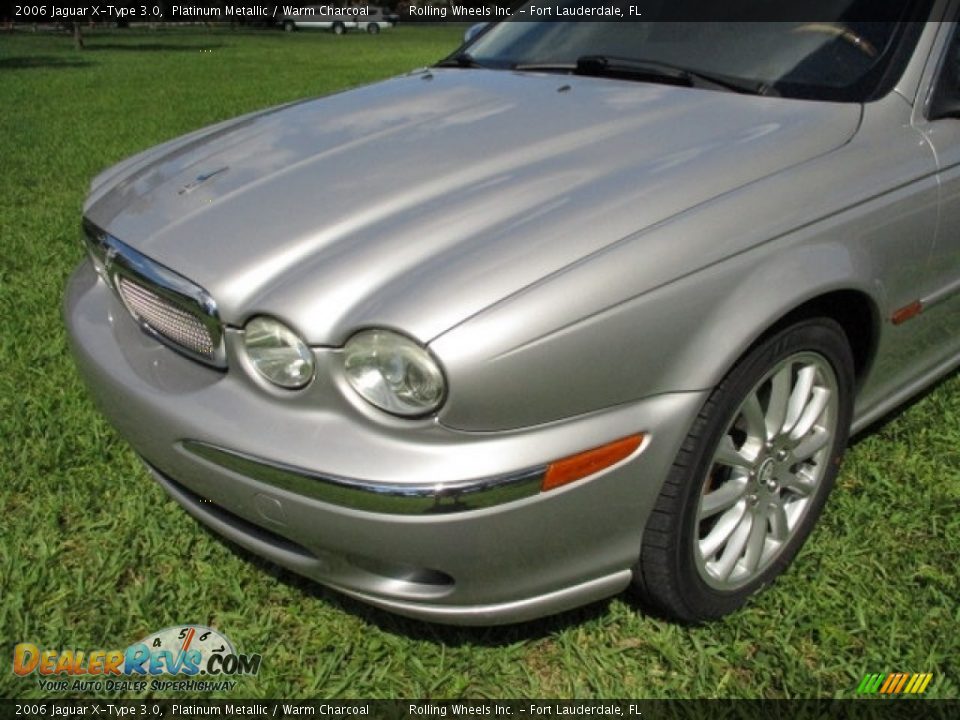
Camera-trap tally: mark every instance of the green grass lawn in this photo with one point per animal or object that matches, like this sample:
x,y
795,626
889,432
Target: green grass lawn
x,y
94,555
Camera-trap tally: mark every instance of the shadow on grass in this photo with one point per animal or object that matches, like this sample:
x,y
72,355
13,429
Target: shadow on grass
x,y
878,425
34,62
150,47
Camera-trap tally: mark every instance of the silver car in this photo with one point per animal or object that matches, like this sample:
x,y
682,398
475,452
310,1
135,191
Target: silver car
x,y
614,300
322,17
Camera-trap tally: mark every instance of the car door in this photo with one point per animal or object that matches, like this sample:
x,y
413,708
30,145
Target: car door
x,y
938,118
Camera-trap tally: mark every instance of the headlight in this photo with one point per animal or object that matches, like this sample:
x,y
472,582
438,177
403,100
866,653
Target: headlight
x,y
278,353
393,373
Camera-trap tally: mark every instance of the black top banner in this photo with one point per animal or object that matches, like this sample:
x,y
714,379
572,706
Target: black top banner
x,y
124,12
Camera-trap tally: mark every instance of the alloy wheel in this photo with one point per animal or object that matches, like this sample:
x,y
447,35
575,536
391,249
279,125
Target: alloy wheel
x,y
766,470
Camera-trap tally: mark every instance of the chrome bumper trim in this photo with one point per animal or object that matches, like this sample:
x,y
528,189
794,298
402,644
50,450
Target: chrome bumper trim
x,y
393,498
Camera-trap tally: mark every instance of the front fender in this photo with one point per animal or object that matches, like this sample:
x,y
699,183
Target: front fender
x,y
586,339
683,336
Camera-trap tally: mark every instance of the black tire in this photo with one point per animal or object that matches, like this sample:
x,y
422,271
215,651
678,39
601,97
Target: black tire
x,y
289,26
670,576
373,29
338,28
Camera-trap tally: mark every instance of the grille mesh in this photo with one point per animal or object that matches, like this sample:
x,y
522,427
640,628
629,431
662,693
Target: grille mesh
x,y
176,324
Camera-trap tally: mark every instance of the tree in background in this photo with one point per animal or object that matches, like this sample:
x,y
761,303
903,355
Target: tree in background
x,y
77,36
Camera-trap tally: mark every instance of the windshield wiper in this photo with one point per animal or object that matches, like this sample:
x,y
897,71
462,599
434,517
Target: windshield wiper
x,y
657,70
650,71
544,67
461,59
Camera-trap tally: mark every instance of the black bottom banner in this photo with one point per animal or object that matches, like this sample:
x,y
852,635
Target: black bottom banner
x,y
507,709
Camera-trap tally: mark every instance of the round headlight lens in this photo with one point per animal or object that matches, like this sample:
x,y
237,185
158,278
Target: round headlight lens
x,y
278,353
393,372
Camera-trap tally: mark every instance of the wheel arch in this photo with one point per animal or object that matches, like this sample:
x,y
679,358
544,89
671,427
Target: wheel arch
x,y
856,313
761,292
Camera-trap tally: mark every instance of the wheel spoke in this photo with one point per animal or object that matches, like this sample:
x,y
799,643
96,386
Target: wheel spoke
x,y
779,527
779,397
722,498
753,414
800,483
798,398
727,454
811,413
721,531
755,542
811,444
735,545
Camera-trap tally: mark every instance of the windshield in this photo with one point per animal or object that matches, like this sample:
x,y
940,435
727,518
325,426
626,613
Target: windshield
x,y
838,57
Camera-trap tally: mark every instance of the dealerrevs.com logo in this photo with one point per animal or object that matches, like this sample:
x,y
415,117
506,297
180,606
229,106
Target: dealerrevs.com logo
x,y
184,651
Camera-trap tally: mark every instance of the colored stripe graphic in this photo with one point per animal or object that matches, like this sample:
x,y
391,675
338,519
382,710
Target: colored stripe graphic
x,y
894,683
870,683
888,683
902,680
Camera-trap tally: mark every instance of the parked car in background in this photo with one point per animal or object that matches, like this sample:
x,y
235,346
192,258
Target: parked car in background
x,y
375,20
615,299
370,19
316,18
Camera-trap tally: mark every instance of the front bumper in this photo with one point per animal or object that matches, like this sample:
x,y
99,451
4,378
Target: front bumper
x,y
508,562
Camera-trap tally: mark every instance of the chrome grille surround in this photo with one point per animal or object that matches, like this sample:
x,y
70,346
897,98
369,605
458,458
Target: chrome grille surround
x,y
167,306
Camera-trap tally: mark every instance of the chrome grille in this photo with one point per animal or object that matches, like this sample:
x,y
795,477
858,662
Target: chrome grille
x,y
165,318
167,306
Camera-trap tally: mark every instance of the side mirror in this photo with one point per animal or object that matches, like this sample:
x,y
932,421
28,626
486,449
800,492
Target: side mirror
x,y
942,108
473,31
945,101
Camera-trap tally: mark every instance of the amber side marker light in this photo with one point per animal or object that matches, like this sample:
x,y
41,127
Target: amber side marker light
x,y
908,312
576,467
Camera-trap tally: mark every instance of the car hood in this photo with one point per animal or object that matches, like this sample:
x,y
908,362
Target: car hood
x,y
417,202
